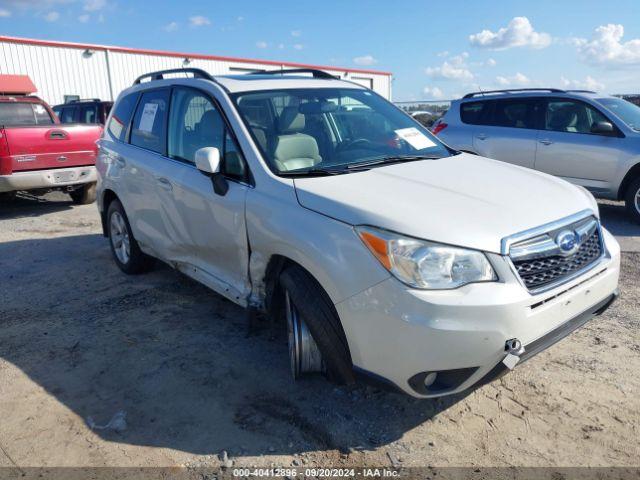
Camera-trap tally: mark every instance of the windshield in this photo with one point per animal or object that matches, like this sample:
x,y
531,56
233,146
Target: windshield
x,y
628,112
313,130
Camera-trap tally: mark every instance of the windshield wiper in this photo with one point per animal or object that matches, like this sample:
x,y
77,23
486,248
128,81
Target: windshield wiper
x,y
315,172
389,160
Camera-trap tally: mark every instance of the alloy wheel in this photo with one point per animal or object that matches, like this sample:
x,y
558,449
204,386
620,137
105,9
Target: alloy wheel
x,y
304,354
120,238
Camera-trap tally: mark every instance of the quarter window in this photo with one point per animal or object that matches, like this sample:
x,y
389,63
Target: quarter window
x,y
149,128
121,117
572,117
474,112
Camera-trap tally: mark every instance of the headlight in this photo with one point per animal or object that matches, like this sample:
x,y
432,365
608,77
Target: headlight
x,y
426,265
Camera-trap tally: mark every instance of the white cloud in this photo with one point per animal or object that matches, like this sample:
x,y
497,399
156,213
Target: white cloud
x,y
455,68
94,5
433,92
491,62
199,21
518,33
240,19
443,54
298,46
296,33
281,46
589,83
52,16
84,18
261,44
4,13
365,60
606,47
171,27
518,80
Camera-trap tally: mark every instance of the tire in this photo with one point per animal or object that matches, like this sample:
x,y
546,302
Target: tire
x,y
124,248
84,195
7,197
632,200
317,316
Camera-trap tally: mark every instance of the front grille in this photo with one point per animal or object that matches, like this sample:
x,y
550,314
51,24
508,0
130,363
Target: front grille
x,y
540,272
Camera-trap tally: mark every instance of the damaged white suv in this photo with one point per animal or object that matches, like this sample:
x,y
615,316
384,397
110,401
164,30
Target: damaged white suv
x,y
315,200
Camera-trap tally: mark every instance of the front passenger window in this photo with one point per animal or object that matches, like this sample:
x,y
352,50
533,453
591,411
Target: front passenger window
x,y
571,116
195,123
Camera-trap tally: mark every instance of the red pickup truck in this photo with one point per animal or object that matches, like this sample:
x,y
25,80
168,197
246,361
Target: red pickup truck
x,y
37,153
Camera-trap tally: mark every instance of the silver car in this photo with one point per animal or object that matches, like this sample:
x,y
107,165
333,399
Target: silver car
x,y
589,139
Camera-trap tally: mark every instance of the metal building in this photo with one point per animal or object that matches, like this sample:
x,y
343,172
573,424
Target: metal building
x,y
64,71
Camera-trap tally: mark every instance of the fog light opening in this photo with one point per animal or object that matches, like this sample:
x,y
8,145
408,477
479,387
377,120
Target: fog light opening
x,y
430,379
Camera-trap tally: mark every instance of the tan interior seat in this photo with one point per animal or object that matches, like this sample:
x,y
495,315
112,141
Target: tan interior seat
x,y
293,149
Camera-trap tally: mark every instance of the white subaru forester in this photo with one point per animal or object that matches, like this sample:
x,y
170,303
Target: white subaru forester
x,y
315,200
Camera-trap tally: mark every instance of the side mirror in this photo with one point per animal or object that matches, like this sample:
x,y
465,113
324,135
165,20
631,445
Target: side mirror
x,y
208,162
602,128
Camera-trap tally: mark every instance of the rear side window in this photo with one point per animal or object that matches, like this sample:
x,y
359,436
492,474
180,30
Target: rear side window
x,y
474,112
514,113
22,113
122,117
149,129
68,115
89,114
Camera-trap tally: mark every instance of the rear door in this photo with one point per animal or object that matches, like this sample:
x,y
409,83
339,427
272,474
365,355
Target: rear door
x,y
143,165
568,149
506,131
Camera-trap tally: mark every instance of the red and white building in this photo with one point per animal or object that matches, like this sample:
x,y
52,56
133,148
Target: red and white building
x,y
64,71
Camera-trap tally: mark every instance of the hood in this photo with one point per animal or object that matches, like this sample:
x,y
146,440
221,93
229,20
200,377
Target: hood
x,y
464,200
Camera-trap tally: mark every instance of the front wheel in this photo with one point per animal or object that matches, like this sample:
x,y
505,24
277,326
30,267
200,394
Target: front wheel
x,y
124,247
317,342
632,200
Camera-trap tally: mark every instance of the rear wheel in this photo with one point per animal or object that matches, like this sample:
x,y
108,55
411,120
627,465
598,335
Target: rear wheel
x,y
84,195
632,200
124,247
317,342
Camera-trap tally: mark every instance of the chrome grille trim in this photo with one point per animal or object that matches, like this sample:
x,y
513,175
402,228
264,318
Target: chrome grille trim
x,y
540,265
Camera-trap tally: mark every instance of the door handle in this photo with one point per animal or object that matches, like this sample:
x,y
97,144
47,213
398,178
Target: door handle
x,y
481,136
546,141
57,135
164,183
121,162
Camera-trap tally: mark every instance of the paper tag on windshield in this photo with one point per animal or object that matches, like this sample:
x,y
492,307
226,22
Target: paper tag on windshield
x,y
415,138
148,117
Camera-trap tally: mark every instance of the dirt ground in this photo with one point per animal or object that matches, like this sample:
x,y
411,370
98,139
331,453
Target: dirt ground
x,y
81,342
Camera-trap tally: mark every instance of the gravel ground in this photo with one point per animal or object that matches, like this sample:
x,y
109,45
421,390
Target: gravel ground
x,y
167,367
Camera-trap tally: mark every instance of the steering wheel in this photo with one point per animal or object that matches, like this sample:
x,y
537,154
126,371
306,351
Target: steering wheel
x,y
362,142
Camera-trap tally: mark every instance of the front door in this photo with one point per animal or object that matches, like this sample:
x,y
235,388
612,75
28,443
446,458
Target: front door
x,y
568,149
208,229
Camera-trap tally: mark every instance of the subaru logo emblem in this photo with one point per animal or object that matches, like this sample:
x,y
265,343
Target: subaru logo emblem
x,y
568,242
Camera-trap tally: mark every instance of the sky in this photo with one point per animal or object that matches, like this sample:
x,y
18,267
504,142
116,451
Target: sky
x,y
435,50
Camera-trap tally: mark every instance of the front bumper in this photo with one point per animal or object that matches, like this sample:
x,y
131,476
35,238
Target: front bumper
x,y
397,333
42,179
